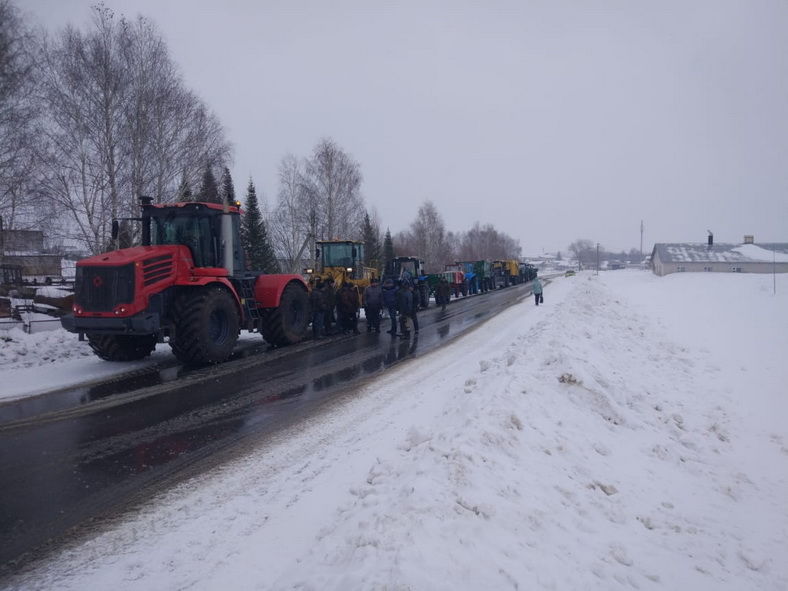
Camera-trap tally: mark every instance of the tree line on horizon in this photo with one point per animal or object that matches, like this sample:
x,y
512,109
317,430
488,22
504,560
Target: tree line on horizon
x,y
94,117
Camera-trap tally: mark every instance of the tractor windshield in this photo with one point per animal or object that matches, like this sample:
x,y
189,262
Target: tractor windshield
x,y
192,231
340,254
407,267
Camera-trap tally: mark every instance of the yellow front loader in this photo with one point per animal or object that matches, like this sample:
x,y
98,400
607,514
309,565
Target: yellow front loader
x,y
342,260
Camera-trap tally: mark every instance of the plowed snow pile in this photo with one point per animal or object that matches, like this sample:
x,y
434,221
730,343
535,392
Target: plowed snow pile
x,y
630,433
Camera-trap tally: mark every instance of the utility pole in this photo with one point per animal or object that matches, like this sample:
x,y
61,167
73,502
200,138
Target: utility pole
x,y
597,258
641,240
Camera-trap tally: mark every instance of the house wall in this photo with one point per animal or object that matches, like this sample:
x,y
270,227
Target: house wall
x,y
718,267
658,266
22,240
36,265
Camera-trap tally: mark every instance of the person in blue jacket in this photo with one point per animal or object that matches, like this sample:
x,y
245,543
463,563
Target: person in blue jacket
x,y
536,287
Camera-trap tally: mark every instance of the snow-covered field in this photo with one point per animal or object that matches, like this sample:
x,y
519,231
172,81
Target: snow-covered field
x,y
630,433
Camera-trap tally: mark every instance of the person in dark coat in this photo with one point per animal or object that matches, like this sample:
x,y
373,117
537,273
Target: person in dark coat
x,y
389,293
373,302
414,309
404,307
347,308
330,304
317,303
442,293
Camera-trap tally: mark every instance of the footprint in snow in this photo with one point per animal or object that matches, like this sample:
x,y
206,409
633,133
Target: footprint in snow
x,y
620,555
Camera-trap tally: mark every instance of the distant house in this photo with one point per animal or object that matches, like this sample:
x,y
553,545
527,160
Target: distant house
x,y
22,241
22,249
720,258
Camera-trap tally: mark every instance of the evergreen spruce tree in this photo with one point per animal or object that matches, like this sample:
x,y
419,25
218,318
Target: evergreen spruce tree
x,y
254,236
209,191
184,190
388,252
228,190
371,237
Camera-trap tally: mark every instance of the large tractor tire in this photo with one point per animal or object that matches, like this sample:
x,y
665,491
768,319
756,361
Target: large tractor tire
x,y
206,325
111,347
287,324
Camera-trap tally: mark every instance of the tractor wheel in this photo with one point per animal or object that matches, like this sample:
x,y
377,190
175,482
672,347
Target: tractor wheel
x,y
206,325
121,347
287,324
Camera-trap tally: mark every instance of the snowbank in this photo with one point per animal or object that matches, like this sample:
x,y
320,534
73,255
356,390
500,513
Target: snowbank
x,y
22,350
51,291
629,433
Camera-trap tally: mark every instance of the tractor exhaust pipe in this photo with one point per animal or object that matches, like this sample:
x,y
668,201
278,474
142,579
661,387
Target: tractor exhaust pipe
x,y
145,202
229,245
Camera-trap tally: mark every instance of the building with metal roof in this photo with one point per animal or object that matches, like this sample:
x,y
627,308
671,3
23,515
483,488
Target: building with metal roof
x,y
747,257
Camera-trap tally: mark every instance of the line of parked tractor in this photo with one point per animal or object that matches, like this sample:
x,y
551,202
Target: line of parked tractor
x,y
187,284
342,261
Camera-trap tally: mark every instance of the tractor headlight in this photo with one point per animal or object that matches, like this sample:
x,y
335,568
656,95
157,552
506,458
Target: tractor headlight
x,y
349,269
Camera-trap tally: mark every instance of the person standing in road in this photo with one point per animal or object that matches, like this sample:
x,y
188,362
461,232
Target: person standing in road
x,y
330,304
317,303
373,301
389,293
537,288
404,307
442,293
347,308
414,309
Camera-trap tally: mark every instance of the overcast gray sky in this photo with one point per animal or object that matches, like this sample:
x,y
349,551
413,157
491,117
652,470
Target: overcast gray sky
x,y
552,120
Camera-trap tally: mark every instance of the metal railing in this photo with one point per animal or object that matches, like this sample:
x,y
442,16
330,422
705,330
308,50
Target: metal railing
x,y
21,318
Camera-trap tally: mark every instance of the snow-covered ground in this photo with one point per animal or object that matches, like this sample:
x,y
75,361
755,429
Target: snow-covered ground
x,y
630,433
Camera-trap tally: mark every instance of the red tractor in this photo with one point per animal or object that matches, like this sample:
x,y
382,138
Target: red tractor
x,y
187,284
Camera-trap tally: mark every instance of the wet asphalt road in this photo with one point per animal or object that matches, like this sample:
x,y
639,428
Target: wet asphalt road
x,y
71,458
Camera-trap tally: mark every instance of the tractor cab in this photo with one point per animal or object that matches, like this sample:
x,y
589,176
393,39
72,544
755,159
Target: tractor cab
x,y
210,231
343,260
409,268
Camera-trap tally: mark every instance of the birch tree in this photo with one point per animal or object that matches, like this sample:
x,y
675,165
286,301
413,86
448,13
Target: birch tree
x,y
119,124
427,239
332,186
294,220
487,243
584,251
19,120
